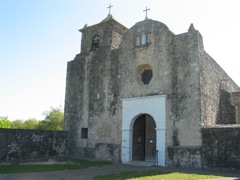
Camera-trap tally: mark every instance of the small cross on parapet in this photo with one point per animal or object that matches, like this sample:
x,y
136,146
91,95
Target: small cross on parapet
x,y
146,10
109,7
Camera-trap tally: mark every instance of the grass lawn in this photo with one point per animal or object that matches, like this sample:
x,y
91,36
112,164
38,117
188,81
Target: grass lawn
x,y
155,175
61,164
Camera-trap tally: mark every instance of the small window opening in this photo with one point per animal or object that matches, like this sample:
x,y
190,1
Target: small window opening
x,y
84,133
146,76
95,42
143,39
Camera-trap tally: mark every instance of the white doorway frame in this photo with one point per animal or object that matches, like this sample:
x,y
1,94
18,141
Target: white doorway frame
x,y
131,109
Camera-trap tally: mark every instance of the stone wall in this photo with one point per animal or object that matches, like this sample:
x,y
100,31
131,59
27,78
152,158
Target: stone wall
x,y
19,143
214,81
102,151
91,100
187,157
98,80
75,102
109,152
198,90
185,98
221,147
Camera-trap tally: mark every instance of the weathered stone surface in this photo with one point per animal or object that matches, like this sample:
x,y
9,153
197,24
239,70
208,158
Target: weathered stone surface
x,y
213,81
18,143
110,152
198,92
185,156
92,91
226,111
235,100
221,147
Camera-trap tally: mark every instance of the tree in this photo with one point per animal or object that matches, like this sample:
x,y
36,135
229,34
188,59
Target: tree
x,y
53,120
17,124
4,122
31,124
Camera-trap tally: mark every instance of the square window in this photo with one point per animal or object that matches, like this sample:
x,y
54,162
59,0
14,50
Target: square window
x,y
84,133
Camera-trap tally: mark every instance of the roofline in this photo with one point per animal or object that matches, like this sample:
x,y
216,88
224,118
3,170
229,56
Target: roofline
x,y
86,28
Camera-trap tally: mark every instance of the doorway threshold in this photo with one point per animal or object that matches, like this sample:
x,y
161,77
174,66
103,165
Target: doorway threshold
x,y
141,163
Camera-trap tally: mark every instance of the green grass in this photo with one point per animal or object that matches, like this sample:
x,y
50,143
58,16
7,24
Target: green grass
x,y
154,175
64,164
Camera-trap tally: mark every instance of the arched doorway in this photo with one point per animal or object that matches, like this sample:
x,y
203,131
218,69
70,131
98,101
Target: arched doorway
x,y
144,139
132,109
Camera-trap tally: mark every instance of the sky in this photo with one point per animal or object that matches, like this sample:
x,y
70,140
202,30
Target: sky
x,y
39,37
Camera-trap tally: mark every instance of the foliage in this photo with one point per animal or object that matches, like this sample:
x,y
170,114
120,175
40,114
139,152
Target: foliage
x,y
53,120
31,124
4,122
155,175
17,124
61,165
28,124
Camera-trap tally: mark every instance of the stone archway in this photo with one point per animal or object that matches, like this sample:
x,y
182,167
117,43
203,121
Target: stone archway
x,y
144,139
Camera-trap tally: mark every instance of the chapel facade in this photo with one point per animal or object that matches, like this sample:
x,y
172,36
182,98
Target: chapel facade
x,y
145,94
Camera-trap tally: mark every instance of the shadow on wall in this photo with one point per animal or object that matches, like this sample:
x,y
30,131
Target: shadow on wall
x,y
226,111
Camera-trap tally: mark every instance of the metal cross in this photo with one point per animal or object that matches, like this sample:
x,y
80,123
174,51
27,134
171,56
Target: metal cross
x,y
109,7
147,9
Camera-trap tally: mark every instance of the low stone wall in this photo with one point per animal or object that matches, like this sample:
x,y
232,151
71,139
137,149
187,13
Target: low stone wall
x,y
19,143
221,147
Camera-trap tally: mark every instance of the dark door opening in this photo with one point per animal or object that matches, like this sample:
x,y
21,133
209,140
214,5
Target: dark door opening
x,y
144,139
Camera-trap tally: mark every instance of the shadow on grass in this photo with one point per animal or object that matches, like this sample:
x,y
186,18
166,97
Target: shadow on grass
x,y
155,175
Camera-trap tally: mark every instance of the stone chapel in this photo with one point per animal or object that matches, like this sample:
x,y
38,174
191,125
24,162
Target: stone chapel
x,y
147,94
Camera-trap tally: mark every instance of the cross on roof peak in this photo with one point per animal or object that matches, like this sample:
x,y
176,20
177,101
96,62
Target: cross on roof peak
x,y
147,9
109,7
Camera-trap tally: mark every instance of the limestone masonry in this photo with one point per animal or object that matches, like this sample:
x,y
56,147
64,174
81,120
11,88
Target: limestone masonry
x,y
21,143
146,94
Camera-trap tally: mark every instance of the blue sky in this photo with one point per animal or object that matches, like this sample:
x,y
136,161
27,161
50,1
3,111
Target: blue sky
x,y
39,37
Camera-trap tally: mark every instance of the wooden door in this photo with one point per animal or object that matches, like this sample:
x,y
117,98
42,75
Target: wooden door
x,y
150,139
138,153
144,139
